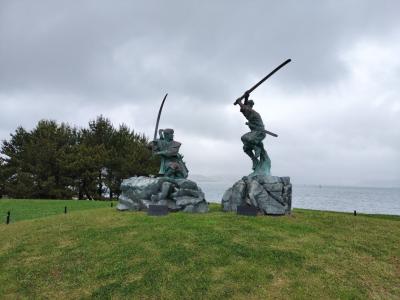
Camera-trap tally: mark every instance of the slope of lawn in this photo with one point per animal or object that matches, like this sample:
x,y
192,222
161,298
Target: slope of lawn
x,y
102,254
27,209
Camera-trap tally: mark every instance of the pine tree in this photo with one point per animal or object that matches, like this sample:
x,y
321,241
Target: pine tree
x,y
59,161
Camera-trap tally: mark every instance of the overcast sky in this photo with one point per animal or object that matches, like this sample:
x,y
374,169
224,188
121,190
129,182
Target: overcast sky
x,y
336,106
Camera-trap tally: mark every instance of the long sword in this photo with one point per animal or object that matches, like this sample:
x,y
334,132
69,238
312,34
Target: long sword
x,y
158,117
262,80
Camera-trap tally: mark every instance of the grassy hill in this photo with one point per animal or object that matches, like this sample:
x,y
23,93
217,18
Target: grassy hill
x,y
101,253
26,209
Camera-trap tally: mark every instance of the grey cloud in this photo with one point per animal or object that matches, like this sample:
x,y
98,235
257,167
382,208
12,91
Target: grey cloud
x,y
70,45
71,61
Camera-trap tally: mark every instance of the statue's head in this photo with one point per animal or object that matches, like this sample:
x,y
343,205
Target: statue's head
x,y
169,134
250,103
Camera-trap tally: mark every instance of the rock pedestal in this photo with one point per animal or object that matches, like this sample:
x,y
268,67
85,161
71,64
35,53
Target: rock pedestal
x,y
178,194
271,195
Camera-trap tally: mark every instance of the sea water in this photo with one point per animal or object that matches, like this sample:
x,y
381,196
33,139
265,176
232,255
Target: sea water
x,y
369,200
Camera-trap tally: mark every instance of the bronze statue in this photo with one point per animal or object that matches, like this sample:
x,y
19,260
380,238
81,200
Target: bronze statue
x,y
253,140
172,164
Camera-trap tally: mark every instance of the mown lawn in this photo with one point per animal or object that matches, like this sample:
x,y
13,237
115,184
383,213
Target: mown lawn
x,y
103,254
26,209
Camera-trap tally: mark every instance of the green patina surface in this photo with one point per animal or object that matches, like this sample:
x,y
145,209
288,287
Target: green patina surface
x,y
172,164
253,141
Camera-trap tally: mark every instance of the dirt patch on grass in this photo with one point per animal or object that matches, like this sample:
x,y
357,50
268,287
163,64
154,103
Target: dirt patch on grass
x,y
218,273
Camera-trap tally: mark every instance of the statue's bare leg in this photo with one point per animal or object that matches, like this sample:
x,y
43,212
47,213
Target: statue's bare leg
x,y
248,147
165,189
164,193
257,150
249,151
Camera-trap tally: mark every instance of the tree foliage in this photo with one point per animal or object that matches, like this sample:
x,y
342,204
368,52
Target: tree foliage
x,y
57,161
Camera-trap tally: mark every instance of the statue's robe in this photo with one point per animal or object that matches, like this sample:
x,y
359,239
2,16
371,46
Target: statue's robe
x,y
171,161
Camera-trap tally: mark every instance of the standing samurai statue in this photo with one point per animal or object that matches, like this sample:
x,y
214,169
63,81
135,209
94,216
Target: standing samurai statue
x,y
172,164
252,141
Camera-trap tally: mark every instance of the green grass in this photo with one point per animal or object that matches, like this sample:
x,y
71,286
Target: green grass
x,y
103,254
31,209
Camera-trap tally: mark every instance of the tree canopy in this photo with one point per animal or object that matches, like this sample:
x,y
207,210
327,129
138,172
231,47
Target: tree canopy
x,y
57,161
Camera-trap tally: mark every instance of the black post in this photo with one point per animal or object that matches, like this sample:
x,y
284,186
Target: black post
x,y
355,213
65,210
8,218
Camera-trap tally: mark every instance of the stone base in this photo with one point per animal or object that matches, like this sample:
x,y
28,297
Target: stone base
x,y
271,195
178,194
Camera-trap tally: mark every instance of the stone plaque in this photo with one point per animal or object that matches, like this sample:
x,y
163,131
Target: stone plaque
x,y
246,210
157,210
